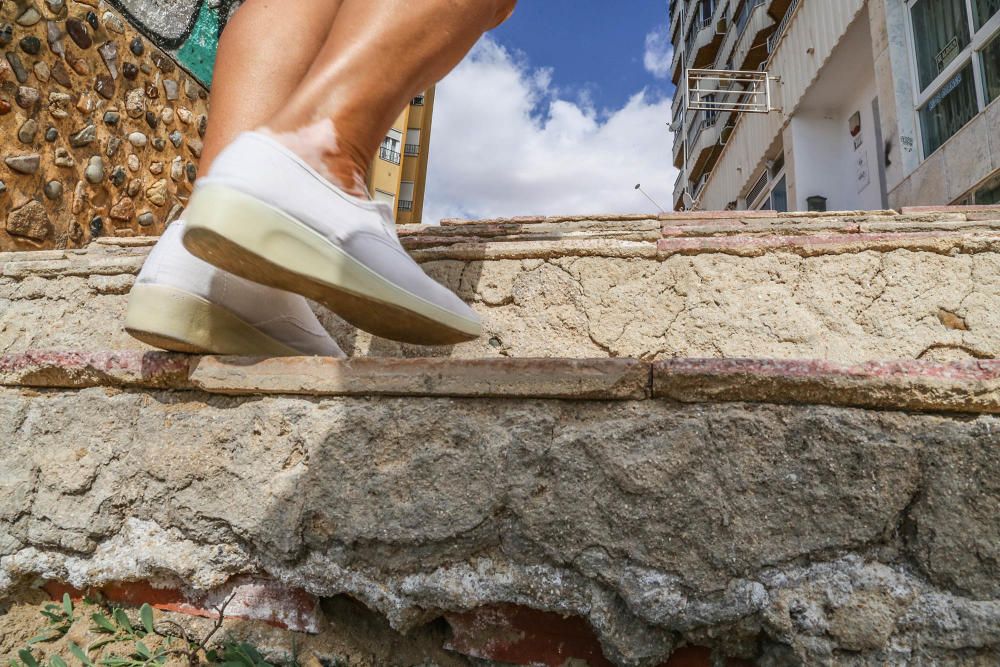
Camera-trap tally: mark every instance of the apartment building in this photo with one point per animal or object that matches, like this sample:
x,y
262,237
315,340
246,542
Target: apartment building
x,y
399,172
876,104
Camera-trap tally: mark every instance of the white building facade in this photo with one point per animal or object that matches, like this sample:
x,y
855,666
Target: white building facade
x,y
878,104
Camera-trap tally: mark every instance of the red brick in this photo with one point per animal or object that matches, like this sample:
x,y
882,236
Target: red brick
x,y
522,636
715,215
918,210
255,600
77,370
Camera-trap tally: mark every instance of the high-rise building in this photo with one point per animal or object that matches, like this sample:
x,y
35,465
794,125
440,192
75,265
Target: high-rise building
x,y
399,172
876,104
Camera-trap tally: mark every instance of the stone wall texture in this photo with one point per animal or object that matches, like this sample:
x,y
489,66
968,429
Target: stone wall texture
x,y
101,131
849,287
188,30
775,437
782,531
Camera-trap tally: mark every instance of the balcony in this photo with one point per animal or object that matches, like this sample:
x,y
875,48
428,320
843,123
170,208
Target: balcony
x,y
675,15
678,149
389,155
790,7
753,26
405,205
779,8
679,188
412,149
691,24
701,45
703,144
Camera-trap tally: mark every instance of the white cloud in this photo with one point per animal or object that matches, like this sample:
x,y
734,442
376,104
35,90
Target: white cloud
x,y
659,53
506,143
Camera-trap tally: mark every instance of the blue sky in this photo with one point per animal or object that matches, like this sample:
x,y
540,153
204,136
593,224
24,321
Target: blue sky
x,y
592,45
561,110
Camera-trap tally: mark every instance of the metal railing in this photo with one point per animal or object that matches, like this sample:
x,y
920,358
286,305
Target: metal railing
x,y
412,149
715,90
389,155
405,205
743,19
772,41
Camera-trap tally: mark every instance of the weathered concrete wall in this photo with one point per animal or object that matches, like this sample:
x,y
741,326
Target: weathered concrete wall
x,y
795,534
101,131
848,288
784,513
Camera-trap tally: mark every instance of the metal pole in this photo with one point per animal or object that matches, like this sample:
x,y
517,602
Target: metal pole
x,y
638,187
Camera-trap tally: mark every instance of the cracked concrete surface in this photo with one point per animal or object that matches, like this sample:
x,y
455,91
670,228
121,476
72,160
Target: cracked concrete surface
x,y
824,535
849,307
783,534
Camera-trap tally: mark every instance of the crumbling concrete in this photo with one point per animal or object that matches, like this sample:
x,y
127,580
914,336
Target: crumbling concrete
x,y
836,510
786,534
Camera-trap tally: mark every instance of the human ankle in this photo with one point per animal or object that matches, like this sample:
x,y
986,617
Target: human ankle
x,y
319,146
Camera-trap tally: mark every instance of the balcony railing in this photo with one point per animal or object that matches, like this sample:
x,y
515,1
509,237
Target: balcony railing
x,y
772,41
744,16
412,149
389,155
405,205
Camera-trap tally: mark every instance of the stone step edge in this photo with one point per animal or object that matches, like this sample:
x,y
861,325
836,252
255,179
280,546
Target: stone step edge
x,y
965,387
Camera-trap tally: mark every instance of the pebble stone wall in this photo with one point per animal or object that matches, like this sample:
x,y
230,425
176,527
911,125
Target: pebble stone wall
x,y
100,131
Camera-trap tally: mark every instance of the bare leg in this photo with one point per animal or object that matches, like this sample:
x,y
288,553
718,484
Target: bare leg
x,y
264,54
379,54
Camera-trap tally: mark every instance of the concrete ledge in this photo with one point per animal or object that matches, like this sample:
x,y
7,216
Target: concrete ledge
x,y
938,232
763,531
972,387
964,387
608,379
847,287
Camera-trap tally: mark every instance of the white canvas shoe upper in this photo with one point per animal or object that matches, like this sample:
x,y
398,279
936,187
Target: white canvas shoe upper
x,y
259,166
285,317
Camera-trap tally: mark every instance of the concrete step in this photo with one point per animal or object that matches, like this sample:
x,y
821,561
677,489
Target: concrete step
x,y
846,287
605,510
770,437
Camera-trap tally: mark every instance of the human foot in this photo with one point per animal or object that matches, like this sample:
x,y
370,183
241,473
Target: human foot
x,y
184,304
263,213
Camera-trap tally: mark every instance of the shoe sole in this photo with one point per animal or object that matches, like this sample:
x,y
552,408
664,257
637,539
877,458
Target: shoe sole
x,y
245,236
178,321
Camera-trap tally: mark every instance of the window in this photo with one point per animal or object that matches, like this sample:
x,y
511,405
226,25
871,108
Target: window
x,y
949,110
418,101
390,147
773,182
957,57
406,189
940,33
991,69
707,9
413,141
385,197
779,196
989,193
985,10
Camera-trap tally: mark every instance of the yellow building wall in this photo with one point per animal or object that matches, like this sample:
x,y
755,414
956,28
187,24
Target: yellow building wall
x,y
386,177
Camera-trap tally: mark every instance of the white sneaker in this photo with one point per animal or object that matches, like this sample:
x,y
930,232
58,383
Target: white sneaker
x,y
184,304
264,214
